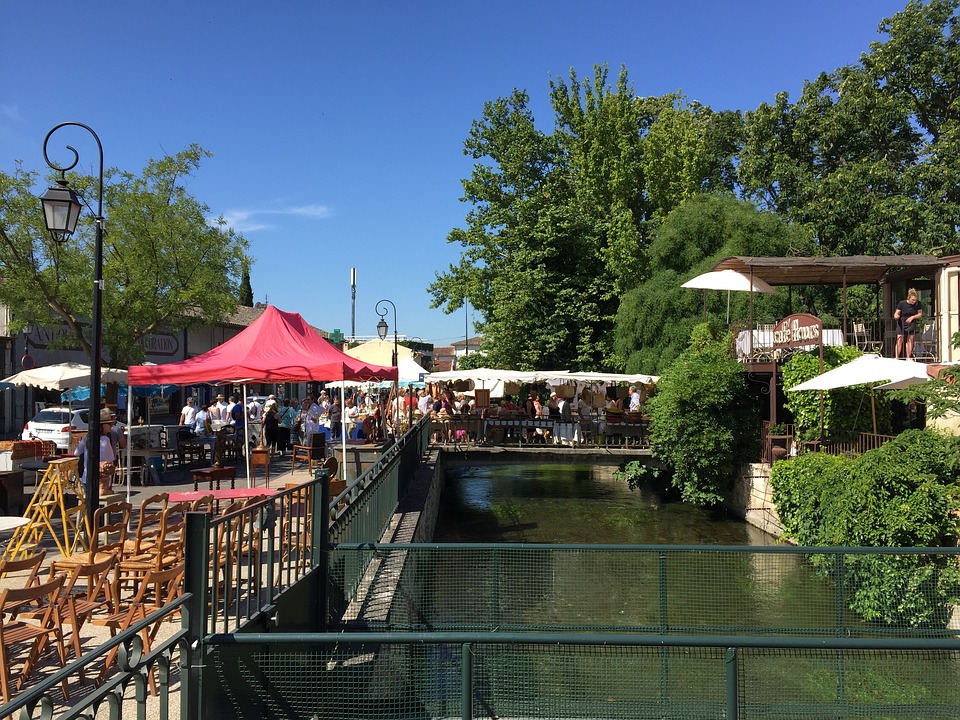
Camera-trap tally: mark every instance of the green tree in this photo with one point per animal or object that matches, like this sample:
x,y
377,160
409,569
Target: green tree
x,y
703,423
867,157
559,222
655,318
165,265
246,289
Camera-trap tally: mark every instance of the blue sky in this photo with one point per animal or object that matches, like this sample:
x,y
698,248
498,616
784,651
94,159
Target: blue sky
x,y
337,128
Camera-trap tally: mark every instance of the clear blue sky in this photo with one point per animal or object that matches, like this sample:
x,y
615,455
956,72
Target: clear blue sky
x,y
337,128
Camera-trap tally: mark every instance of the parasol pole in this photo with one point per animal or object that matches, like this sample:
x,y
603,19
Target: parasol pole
x,y
129,436
246,429
343,425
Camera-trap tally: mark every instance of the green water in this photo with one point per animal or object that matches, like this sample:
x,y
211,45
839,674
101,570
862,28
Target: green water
x,y
575,504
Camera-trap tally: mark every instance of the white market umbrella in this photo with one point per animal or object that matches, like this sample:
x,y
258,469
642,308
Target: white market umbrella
x,y
729,280
865,370
64,376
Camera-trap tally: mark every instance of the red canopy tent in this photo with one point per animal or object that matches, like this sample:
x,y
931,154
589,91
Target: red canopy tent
x,y
277,347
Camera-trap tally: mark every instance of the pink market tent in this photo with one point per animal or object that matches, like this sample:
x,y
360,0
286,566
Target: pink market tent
x,y
277,347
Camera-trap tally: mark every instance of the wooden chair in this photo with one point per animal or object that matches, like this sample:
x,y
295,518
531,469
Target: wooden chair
x,y
109,539
87,594
203,504
156,589
148,525
31,566
313,453
165,551
14,631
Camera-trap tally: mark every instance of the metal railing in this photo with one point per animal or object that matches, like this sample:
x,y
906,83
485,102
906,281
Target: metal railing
x,y
553,675
779,590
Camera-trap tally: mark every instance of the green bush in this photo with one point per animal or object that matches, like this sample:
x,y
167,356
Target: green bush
x,y
899,495
702,420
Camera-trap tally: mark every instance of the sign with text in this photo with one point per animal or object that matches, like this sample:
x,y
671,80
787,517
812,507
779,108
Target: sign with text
x,y
798,330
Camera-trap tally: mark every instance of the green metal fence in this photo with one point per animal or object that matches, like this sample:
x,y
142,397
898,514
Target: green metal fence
x,y
555,675
778,590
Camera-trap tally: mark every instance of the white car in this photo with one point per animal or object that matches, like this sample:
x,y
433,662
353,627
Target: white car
x,y
56,423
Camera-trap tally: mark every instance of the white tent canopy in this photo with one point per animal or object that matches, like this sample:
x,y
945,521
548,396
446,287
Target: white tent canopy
x,y
64,376
604,378
727,280
488,376
865,370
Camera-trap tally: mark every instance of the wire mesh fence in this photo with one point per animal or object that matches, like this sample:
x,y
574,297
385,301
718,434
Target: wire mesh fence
x,y
780,590
427,676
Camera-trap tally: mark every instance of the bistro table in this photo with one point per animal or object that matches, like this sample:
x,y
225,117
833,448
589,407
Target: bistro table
x,y
12,522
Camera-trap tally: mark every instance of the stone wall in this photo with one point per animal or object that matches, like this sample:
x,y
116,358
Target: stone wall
x,y
752,499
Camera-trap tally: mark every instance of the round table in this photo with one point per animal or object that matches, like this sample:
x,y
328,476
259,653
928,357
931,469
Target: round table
x,y
12,522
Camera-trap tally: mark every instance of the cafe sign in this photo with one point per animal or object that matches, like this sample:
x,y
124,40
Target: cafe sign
x,y
799,330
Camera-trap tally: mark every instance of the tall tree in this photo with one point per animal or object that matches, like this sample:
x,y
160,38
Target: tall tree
x,y
867,157
559,223
656,319
246,289
165,265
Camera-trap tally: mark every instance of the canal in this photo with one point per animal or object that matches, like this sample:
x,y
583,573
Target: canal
x,y
699,593
539,503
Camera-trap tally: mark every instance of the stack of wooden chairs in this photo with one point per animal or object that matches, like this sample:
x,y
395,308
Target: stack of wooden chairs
x,y
117,582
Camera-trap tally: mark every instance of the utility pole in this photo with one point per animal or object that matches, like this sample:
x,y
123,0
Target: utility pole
x,y
353,303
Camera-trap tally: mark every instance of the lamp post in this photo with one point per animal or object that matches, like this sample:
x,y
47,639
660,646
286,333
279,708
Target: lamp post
x,y
382,329
61,210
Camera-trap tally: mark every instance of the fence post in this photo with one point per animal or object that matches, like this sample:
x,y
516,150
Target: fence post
x,y
733,690
320,553
196,564
466,682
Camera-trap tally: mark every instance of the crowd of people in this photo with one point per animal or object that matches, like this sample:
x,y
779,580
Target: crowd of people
x,y
372,415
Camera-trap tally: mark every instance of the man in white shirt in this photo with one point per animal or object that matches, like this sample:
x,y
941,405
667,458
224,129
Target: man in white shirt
x,y
425,402
634,399
188,415
219,409
227,414
254,410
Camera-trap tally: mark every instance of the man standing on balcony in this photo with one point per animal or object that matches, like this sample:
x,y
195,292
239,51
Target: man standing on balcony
x,y
907,313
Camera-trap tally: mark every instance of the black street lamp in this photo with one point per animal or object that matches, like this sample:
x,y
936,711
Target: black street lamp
x,y
382,329
61,210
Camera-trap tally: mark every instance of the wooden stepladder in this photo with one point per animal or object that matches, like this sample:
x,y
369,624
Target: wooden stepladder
x,y
49,504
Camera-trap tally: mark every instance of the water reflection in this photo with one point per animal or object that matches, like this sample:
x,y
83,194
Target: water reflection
x,y
575,504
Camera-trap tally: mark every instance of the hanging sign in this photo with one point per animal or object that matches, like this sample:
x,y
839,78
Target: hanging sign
x,y
798,330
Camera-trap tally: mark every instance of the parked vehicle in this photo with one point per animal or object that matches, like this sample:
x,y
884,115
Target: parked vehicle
x,y
56,424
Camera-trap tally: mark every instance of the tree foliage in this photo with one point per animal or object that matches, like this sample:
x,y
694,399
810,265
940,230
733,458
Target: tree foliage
x,y
655,318
702,419
165,266
559,222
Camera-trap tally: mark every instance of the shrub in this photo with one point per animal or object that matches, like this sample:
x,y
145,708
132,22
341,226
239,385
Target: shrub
x,y
899,495
702,419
